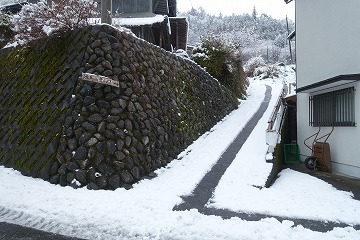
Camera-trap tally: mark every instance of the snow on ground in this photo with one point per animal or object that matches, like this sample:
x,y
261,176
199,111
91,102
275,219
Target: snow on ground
x,y
248,174
145,212
294,195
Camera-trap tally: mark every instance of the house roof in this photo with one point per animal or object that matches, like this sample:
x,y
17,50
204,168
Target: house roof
x,y
329,83
12,6
8,2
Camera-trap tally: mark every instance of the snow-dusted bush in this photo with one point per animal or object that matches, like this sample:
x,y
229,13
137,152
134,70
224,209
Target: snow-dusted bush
x,y
4,18
256,67
47,17
252,64
267,71
222,60
270,71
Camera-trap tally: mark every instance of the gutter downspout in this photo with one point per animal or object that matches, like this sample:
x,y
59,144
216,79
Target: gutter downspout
x,y
106,11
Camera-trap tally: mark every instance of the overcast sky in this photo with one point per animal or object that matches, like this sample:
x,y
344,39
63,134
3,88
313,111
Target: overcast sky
x,y
276,8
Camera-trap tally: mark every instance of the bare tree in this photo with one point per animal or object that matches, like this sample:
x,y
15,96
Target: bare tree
x,y
38,20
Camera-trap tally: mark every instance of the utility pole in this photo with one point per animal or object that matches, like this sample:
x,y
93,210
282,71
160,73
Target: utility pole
x,y
106,10
287,26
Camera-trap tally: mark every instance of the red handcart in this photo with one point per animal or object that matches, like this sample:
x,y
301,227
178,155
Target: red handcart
x,y
320,158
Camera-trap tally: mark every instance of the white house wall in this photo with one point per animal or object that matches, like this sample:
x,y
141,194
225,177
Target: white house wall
x,y
327,45
327,30
344,141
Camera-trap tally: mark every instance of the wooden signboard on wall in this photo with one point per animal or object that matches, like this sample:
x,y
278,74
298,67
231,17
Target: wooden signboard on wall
x,y
99,79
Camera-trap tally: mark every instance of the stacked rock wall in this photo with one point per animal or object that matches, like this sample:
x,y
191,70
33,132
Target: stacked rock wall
x,y
108,137
36,85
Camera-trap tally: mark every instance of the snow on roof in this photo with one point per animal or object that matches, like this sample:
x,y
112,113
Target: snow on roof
x,y
4,3
133,21
138,21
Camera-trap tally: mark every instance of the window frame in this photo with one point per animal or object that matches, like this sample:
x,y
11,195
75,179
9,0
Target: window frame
x,y
336,108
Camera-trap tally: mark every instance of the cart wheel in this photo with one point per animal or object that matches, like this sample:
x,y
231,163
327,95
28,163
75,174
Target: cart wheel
x,y
310,162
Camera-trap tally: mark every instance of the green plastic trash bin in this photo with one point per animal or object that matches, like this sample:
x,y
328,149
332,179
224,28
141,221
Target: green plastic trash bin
x,y
291,153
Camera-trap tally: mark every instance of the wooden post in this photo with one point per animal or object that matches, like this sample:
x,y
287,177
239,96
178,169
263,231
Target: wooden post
x,y
106,10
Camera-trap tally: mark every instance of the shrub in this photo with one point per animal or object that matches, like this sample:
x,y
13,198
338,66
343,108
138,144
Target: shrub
x,y
222,60
271,71
46,17
252,65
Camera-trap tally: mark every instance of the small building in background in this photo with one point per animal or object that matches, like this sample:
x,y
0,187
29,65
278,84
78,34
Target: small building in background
x,y
152,20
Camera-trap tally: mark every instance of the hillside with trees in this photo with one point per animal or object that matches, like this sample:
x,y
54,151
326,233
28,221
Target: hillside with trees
x,y
252,34
230,48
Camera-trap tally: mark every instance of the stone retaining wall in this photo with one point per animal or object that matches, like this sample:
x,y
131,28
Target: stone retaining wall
x,y
80,133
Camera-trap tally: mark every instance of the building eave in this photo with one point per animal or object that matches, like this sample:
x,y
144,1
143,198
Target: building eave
x,y
329,83
139,20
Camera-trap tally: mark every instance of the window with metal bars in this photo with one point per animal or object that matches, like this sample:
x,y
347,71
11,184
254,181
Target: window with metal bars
x,y
335,108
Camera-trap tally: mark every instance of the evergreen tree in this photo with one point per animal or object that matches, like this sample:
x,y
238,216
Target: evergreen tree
x,y
254,13
222,60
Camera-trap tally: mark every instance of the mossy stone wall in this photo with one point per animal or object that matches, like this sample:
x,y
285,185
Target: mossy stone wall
x,y
69,131
36,84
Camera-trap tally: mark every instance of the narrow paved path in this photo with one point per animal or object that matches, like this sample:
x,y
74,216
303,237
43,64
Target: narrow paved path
x,y
10,231
203,192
